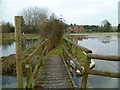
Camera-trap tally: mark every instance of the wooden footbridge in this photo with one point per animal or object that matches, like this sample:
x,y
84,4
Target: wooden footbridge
x,y
54,71
54,74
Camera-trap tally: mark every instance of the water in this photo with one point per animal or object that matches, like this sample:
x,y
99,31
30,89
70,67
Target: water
x,y
9,48
105,45
10,81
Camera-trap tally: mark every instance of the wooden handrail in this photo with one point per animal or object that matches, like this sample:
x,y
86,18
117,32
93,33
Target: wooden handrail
x,y
27,59
90,56
104,73
72,58
103,57
31,77
86,50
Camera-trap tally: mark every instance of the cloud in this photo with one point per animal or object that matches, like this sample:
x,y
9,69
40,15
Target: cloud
x,y
80,11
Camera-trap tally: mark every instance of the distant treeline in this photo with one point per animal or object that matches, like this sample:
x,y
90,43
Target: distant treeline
x,y
7,27
118,27
106,27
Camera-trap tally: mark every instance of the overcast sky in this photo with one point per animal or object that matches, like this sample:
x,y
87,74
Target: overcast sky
x,y
81,12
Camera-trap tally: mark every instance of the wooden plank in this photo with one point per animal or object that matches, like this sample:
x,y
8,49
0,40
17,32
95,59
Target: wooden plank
x,y
104,73
103,57
18,51
78,46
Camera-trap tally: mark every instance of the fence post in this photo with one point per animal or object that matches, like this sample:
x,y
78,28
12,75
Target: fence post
x,y
85,74
18,51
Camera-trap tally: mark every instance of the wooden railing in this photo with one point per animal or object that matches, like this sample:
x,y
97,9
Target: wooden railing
x,y
69,55
30,70
27,62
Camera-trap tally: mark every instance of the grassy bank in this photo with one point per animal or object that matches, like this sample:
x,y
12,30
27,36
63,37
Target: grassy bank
x,y
96,33
9,37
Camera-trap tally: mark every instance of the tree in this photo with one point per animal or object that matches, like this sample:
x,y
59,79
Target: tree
x,y
106,26
7,27
33,17
53,29
118,28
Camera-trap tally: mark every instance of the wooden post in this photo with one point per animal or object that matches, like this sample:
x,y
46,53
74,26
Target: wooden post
x,y
18,51
85,74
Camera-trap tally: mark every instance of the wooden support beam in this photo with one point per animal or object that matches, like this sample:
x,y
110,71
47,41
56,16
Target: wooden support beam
x,y
104,73
103,57
85,74
18,23
30,75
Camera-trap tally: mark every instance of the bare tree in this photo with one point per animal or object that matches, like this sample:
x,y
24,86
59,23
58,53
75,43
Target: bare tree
x,y
34,17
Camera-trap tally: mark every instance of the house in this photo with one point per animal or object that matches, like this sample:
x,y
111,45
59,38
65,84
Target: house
x,y
77,28
68,30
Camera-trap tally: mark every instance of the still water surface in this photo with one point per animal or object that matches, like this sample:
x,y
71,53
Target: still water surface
x,y
10,81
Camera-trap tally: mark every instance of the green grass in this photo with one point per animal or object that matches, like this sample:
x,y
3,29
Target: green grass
x,y
7,37
31,35
11,36
57,51
78,54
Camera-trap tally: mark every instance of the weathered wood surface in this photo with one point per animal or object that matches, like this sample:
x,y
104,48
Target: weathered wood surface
x,y
32,54
53,74
103,57
104,73
72,58
86,50
18,24
90,56
31,75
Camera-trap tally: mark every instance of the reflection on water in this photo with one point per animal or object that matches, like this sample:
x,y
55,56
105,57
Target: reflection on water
x,y
9,48
10,81
105,45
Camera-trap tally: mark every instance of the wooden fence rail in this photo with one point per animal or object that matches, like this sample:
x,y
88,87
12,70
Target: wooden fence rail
x,y
103,57
90,56
33,53
86,50
104,73
30,74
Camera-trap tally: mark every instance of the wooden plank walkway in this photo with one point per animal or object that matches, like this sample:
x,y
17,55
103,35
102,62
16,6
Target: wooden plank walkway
x,y
53,74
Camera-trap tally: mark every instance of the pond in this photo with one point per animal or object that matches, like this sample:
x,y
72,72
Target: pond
x,y
105,44
9,48
10,81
